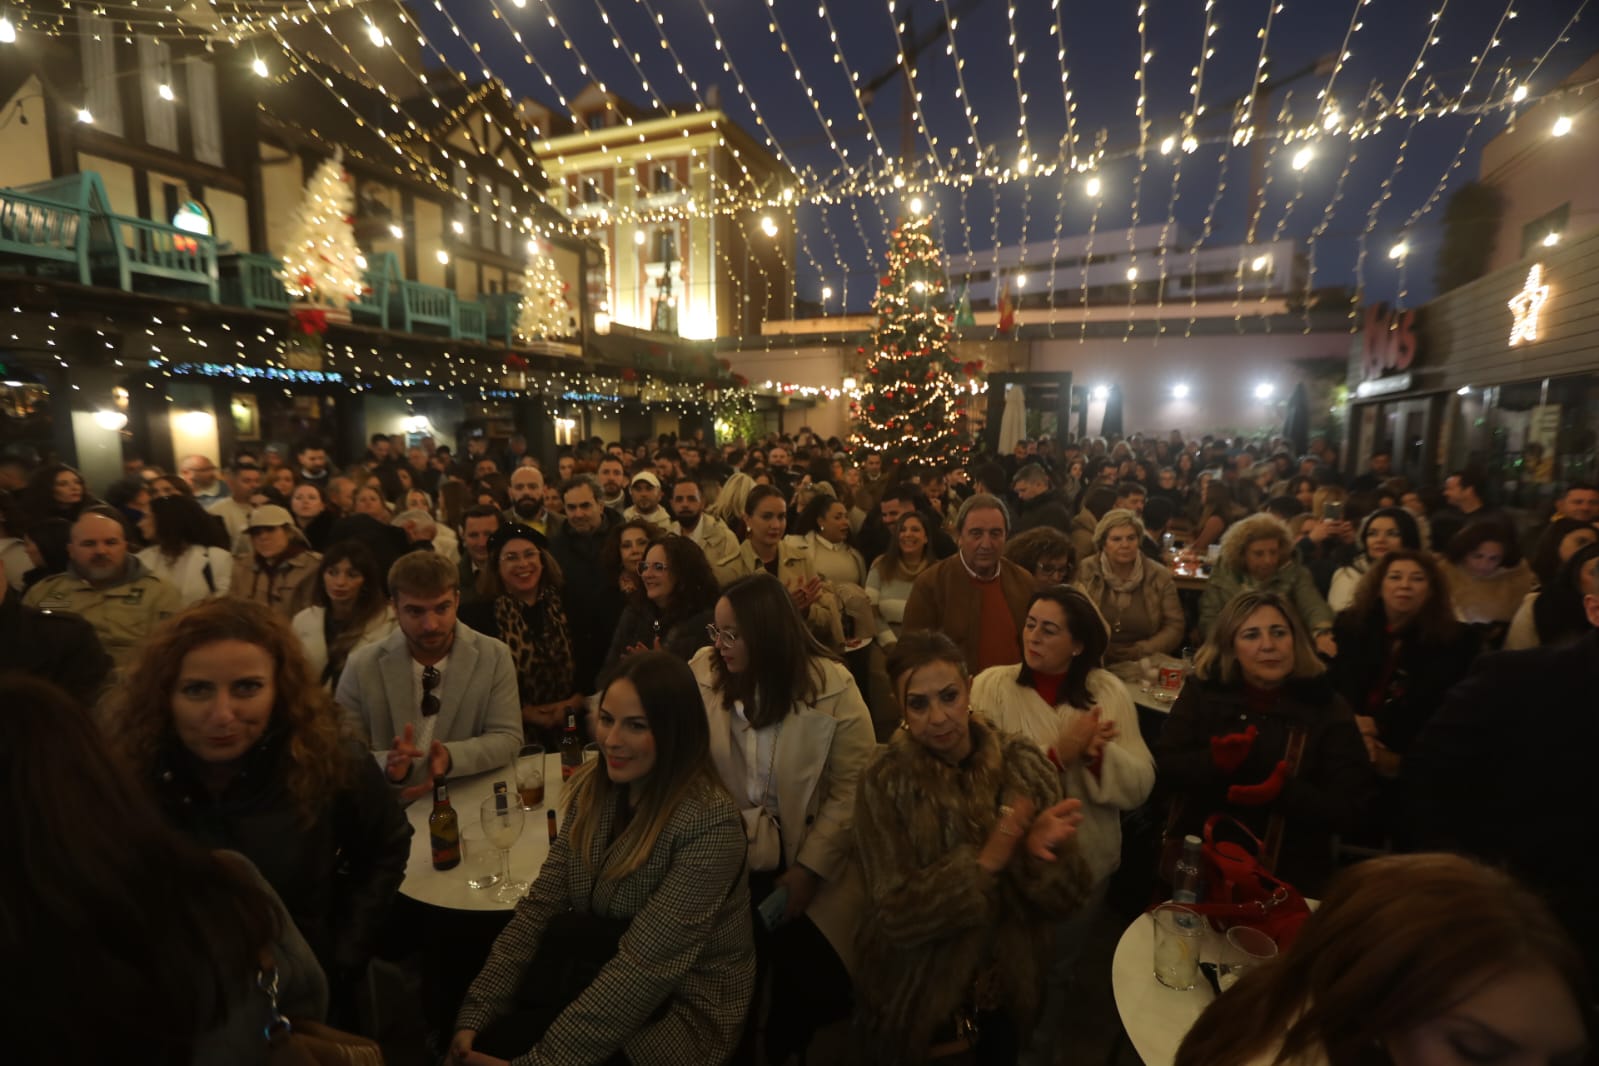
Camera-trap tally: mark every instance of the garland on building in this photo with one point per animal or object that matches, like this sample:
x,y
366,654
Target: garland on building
x,y
322,265
545,312
907,405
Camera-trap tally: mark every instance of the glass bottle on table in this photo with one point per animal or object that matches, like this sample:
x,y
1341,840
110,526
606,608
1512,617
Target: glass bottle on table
x,y
502,824
444,829
1185,875
571,747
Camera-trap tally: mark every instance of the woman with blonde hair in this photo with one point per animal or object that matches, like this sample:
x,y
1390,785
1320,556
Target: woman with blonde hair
x,y
643,894
729,503
1414,960
1257,554
1137,596
1260,735
241,746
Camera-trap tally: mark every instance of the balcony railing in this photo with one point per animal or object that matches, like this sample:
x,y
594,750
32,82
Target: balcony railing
x,y
65,229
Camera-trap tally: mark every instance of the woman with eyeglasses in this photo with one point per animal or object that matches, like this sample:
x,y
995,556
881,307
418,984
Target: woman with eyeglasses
x,y
789,736
242,749
624,550
672,608
519,602
1046,553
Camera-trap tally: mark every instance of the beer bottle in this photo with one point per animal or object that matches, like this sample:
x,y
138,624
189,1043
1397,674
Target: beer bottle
x,y
571,747
444,829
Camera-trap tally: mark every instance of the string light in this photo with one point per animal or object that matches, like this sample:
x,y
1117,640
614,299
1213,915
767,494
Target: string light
x,y
1562,126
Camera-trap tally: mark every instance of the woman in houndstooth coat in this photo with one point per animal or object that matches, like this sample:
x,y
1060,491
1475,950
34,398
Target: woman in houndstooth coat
x,y
650,837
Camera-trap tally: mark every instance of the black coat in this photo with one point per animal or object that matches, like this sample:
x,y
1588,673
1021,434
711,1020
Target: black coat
x,y
1045,509
594,603
641,623
52,646
1423,676
1327,796
337,876
1504,771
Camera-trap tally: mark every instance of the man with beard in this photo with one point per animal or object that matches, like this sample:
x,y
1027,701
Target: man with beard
x,y
709,532
613,484
106,586
312,458
593,612
646,492
527,501
437,697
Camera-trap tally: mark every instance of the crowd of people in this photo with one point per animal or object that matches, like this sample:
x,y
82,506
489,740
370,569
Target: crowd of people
x,y
868,732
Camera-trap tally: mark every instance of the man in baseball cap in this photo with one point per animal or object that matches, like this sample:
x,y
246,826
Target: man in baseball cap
x,y
645,489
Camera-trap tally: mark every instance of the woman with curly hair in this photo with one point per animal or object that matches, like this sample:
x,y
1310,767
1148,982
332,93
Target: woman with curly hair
x,y
1257,554
241,746
624,551
1488,579
672,609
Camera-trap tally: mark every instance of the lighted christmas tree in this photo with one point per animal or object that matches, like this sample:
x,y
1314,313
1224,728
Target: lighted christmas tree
x,y
545,311
321,263
907,404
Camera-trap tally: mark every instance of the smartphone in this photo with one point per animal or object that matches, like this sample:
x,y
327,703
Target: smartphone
x,y
772,907
1333,510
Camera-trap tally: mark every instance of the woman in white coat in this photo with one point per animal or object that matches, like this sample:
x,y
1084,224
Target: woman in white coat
x,y
1079,713
348,610
790,735
188,549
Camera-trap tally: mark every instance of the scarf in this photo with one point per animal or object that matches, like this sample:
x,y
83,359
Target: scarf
x,y
540,647
1122,591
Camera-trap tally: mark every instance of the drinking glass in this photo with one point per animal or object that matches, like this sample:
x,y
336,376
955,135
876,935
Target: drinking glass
x,y
1179,932
1246,949
530,776
591,752
478,859
502,824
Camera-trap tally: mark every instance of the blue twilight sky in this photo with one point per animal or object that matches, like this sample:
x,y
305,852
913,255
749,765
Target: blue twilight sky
x,y
844,243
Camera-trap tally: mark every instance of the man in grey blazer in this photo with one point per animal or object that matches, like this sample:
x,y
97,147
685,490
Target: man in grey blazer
x,y
444,693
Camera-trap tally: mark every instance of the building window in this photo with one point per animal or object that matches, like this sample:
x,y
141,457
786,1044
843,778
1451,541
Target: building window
x,y
205,122
595,120
507,234
1536,232
99,51
160,113
662,179
664,245
591,191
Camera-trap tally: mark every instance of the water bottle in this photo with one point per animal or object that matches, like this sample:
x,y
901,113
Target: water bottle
x,y
1185,875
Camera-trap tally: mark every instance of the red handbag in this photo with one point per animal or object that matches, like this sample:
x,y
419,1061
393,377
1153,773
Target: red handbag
x,y
1241,890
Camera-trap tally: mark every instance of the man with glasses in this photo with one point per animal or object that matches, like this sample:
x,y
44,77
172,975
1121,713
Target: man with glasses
x,y
443,692
976,597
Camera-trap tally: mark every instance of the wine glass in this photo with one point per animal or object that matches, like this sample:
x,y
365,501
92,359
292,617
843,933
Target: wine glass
x,y
502,824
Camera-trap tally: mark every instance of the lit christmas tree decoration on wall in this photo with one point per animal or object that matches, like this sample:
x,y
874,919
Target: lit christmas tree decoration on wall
x,y
545,312
321,262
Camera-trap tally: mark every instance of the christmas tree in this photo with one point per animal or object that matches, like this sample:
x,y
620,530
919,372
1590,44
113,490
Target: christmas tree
x,y
545,311
907,404
321,264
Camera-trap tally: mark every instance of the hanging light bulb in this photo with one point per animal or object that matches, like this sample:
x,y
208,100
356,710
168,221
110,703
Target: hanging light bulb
x,y
397,232
1093,185
8,32
1168,144
85,116
1399,250
374,34
916,205
1303,157
1520,94
164,91
260,67
1562,126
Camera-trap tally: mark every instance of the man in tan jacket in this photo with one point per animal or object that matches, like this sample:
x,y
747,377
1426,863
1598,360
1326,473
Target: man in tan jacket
x,y
975,597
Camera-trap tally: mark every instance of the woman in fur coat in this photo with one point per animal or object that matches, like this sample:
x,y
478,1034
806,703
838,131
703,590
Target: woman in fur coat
x,y
970,858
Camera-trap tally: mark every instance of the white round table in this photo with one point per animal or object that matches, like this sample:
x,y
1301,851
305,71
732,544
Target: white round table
x,y
448,888
1147,700
1155,1017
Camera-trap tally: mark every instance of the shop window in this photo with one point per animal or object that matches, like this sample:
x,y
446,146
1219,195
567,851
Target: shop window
x,y
102,98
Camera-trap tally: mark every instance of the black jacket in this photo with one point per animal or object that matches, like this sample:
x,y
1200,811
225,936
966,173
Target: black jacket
x,y
1045,509
1422,677
641,623
1327,796
1504,771
595,602
53,646
387,542
336,876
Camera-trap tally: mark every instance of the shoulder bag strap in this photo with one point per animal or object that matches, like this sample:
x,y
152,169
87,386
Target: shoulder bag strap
x,y
1293,756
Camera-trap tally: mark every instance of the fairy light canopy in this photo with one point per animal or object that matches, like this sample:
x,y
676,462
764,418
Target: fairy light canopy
x,y
1343,127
